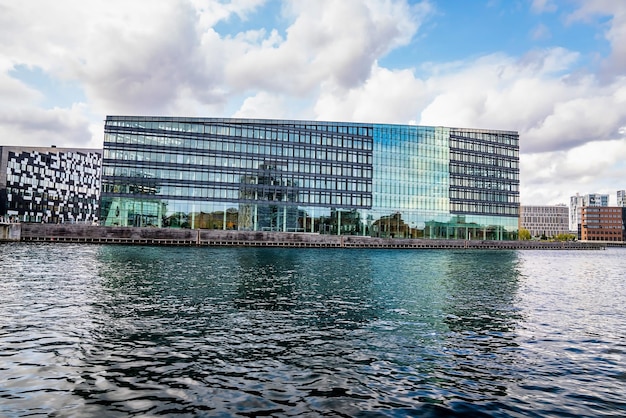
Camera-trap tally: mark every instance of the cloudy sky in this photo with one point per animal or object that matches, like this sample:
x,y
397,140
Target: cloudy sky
x,y
553,70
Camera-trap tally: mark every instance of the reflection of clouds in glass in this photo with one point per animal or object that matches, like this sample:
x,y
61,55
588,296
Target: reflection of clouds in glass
x,y
411,161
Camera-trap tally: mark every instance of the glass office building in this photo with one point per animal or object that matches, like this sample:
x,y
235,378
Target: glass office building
x,y
308,176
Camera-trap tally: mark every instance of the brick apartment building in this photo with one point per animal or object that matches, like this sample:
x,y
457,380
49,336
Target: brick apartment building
x,y
602,223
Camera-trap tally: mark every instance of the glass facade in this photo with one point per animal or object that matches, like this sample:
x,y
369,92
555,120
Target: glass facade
x,y
310,176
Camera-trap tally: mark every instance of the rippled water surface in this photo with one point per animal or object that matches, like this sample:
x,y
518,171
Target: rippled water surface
x,y
108,331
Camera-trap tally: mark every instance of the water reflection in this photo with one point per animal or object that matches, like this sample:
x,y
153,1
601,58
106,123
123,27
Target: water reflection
x,y
482,314
224,323
483,291
266,280
137,331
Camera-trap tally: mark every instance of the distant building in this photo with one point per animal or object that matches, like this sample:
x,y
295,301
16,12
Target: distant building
x,y
56,185
545,220
577,202
621,198
604,223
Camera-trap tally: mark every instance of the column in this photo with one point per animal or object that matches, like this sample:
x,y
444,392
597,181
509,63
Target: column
x,y
338,222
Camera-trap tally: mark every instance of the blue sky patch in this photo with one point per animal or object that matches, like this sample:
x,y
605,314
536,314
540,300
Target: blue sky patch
x,y
57,93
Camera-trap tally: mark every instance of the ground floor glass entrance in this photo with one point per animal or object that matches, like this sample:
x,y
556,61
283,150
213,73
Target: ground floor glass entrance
x,y
275,216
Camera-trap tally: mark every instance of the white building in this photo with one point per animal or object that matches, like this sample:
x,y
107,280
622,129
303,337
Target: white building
x,y
578,201
545,220
621,198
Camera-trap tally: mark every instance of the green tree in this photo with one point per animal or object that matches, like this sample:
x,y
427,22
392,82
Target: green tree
x,y
524,234
565,237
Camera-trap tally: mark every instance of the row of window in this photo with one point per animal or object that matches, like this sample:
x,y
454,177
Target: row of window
x,y
52,195
483,208
603,219
459,170
424,176
76,186
481,159
407,159
45,160
421,204
411,189
241,152
349,174
616,237
61,180
482,147
547,219
213,133
221,126
43,211
484,196
408,138
52,171
479,183
301,183
311,197
538,210
79,205
495,137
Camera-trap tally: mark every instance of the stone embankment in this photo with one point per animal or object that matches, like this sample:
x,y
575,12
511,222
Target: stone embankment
x,y
9,231
188,237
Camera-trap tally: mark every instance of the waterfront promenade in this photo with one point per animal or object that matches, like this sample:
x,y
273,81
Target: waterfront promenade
x,y
77,233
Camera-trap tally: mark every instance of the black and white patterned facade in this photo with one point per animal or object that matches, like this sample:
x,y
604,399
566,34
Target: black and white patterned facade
x,y
55,185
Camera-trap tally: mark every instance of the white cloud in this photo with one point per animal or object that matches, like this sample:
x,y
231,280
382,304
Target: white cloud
x,y
615,30
552,177
264,105
329,41
20,94
550,111
212,12
543,6
167,58
61,127
386,96
324,62
540,32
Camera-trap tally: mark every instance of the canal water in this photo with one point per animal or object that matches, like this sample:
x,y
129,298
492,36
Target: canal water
x,y
117,331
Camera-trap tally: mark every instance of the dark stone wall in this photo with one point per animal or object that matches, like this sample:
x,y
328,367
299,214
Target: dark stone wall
x,y
171,236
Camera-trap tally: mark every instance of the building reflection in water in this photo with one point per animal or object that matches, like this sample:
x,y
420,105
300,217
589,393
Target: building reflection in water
x,y
320,287
482,313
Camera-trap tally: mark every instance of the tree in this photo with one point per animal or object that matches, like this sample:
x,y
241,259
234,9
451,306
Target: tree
x,y
565,237
524,234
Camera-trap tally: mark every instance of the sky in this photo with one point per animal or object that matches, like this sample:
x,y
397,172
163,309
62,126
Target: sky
x,y
552,70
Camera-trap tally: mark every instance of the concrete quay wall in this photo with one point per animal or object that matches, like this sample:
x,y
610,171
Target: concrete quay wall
x,y
203,237
10,231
